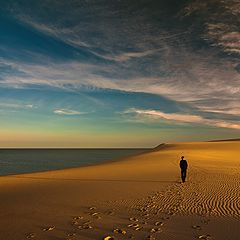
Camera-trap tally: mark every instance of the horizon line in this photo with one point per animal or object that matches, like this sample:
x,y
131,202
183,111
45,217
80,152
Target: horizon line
x,y
113,148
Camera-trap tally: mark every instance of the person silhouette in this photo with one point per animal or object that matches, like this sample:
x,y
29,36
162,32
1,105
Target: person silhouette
x,y
183,166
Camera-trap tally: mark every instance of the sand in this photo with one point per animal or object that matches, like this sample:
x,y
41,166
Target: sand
x,y
139,197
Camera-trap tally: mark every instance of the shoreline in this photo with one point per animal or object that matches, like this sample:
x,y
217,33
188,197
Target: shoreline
x,y
114,159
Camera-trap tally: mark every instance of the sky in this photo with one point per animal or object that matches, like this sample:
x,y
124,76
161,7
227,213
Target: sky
x,y
118,73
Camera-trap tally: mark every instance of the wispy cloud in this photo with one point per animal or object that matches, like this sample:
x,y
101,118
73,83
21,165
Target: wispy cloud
x,y
67,35
204,87
16,105
222,110
184,118
221,22
67,112
167,116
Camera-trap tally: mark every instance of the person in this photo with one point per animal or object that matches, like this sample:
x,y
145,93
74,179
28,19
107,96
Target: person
x,y
183,166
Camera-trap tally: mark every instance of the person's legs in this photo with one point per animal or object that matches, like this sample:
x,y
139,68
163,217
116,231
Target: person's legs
x,y
183,175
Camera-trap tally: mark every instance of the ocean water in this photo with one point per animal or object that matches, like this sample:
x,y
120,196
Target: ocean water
x,y
17,161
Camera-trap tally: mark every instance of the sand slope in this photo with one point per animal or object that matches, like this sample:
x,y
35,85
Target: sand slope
x,y
140,197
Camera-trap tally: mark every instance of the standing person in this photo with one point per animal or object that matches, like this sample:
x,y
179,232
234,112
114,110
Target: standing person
x,y
183,166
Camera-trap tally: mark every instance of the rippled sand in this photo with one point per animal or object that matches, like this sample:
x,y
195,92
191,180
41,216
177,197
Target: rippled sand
x,y
140,197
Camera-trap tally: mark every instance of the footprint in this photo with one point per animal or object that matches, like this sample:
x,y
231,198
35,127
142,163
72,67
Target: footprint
x,y
110,213
133,219
108,238
71,234
119,231
133,225
74,223
85,226
77,218
197,227
87,222
205,237
155,230
92,208
96,215
49,228
158,223
31,235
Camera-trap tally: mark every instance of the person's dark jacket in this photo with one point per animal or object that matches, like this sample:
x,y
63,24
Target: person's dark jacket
x,y
183,164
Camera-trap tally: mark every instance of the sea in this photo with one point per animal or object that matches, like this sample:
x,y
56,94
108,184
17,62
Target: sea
x,y
18,161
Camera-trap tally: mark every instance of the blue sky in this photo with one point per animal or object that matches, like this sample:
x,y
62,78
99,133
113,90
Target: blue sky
x,y
118,73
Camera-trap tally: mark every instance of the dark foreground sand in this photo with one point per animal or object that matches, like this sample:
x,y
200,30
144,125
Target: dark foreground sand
x,y
139,197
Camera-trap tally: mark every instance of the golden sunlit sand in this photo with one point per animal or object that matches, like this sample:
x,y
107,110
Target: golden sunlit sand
x,y
139,197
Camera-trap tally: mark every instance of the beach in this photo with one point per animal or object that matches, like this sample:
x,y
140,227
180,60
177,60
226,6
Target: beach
x,y
138,197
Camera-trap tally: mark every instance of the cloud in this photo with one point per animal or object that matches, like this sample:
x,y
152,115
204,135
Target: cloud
x,y
70,36
184,118
220,20
67,35
67,112
222,110
95,26
127,55
16,105
167,116
203,85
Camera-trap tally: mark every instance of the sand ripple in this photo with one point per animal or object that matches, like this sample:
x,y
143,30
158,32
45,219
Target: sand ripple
x,y
215,194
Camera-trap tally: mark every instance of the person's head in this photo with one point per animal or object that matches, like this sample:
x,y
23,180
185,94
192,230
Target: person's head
x,y
182,157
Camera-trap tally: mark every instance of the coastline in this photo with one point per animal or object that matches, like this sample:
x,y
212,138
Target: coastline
x,y
113,159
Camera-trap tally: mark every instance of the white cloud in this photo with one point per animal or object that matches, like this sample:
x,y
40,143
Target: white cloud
x,y
184,118
167,116
204,87
67,112
16,105
222,110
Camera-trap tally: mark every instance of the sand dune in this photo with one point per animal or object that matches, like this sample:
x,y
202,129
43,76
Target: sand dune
x,y
139,197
